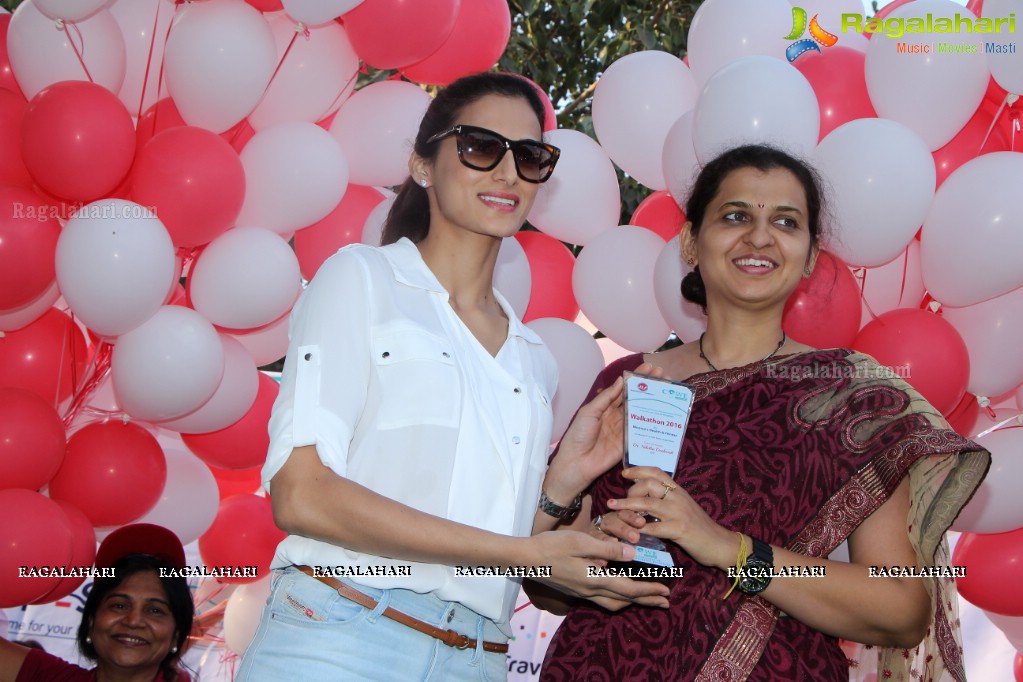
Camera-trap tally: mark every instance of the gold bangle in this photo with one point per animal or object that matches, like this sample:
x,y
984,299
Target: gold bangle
x,y
740,563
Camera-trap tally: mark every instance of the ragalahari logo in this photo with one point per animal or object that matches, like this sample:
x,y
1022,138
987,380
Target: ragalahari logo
x,y
803,45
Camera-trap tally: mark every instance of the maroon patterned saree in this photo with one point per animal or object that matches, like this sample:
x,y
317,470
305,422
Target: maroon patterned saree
x,y
797,451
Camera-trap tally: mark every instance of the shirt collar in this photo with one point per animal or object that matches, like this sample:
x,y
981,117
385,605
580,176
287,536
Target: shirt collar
x,y
410,269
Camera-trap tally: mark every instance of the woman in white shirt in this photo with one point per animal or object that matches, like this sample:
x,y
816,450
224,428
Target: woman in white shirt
x,y
409,442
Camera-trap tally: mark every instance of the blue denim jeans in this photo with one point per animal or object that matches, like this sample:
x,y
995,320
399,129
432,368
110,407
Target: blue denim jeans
x,y
309,632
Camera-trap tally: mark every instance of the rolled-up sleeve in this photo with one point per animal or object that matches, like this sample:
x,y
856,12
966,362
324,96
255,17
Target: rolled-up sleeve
x,y
326,370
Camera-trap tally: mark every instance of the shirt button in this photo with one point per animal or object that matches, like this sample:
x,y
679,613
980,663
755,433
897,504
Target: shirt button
x,y
451,615
516,440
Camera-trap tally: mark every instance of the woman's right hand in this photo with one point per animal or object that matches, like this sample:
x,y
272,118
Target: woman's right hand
x,y
571,554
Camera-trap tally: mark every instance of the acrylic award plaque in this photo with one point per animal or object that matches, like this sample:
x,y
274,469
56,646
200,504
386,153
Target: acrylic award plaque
x,y
657,412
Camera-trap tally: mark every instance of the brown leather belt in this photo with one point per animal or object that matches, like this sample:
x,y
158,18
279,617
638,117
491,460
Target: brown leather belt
x,y
449,637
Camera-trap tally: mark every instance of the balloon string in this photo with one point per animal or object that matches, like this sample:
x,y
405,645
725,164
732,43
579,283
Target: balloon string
x,y
94,376
149,61
905,274
1018,418
338,98
300,29
994,120
63,24
159,77
863,291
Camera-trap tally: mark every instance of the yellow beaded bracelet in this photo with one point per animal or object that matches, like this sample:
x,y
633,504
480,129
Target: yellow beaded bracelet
x,y
740,563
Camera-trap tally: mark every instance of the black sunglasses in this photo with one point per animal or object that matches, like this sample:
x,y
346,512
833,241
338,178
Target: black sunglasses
x,y
482,149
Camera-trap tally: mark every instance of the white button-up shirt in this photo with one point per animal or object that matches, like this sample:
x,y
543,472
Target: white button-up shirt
x,y
398,395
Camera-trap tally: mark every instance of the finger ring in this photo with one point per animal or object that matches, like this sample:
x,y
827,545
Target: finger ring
x,y
597,521
668,487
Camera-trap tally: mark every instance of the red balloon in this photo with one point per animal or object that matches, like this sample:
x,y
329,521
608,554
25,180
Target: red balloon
x,y
193,181
161,116
342,226
239,135
236,481
992,562
1017,667
7,79
838,79
963,417
28,246
113,471
32,440
550,266
34,532
824,311
241,445
12,112
243,534
78,140
392,34
83,552
47,357
659,212
924,349
480,34
266,5
973,140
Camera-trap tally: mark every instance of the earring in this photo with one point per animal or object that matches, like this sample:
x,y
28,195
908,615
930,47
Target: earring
x,y
689,262
423,183
174,650
88,639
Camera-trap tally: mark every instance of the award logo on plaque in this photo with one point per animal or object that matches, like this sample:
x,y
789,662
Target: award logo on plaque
x,y
656,413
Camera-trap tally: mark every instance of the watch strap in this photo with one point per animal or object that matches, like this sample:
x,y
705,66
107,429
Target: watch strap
x,y
552,508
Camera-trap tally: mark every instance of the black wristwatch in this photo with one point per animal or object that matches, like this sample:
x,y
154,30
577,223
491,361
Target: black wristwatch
x,y
552,508
758,570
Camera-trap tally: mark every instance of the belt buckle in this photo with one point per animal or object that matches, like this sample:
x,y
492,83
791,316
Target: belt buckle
x,y
461,641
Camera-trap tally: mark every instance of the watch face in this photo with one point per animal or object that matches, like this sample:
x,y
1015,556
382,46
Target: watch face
x,y
756,575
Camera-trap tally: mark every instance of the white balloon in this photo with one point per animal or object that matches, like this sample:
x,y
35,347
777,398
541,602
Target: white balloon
x,y
190,499
614,286
882,179
992,331
678,158
219,58
512,276
42,53
144,48
1006,66
373,230
70,10
686,318
317,71
973,234
724,30
295,174
313,12
582,198
756,100
115,263
377,127
935,94
244,609
896,284
267,344
233,397
635,103
246,278
168,366
994,507
579,361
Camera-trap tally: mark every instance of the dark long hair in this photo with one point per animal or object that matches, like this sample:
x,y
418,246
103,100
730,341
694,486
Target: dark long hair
x,y
178,597
708,184
410,213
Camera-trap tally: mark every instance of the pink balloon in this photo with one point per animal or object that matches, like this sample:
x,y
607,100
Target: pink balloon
x,y
78,140
189,500
168,366
69,10
244,279
243,444
391,34
686,319
28,242
342,226
376,128
992,331
267,344
218,61
313,12
994,507
233,397
241,617
512,275
193,180
896,284
678,158
144,25
476,42
582,199
613,283
579,361
42,53
112,471
725,30
318,72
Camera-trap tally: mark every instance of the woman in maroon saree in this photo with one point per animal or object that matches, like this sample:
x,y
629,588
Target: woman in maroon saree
x,y
791,447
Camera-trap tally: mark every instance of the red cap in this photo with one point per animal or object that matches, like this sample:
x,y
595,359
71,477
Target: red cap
x,y
141,538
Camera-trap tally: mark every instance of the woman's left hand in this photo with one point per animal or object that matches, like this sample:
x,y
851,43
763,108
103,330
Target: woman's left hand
x,y
680,519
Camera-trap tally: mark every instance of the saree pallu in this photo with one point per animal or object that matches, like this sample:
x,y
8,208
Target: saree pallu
x,y
797,451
